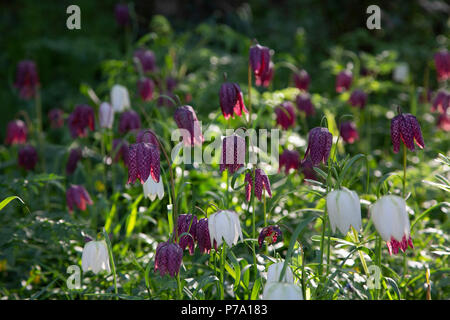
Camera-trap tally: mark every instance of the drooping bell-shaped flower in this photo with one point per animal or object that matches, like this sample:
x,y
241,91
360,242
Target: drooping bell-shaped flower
x,y
344,81
305,104
106,115
269,235
74,157
285,115
289,159
344,210
168,258
307,169
146,58
259,59
28,157
80,120
143,161
129,120
122,14
231,100
442,62
145,88
441,102
348,131
76,195
266,77
233,153
443,122
120,99
203,238
282,291
153,189
358,98
302,80
274,273
401,72
406,128
391,220
27,79
187,223
56,117
261,183
16,132
223,226
186,120
95,257
320,141
120,151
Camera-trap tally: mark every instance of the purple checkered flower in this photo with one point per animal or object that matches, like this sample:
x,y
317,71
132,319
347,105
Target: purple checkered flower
x,y
348,132
186,119
120,151
302,80
304,104
266,77
285,115
261,182
259,60
143,161
129,120
320,141
56,117
233,153
358,98
441,102
270,235
187,223
442,61
343,81
147,59
406,128
74,157
16,132
146,87
231,100
203,238
289,159
168,258
77,195
122,14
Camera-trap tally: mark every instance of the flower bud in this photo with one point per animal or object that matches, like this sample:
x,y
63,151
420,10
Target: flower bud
x,y
344,210
401,72
27,79
16,132
106,115
95,257
406,128
186,119
343,81
28,157
81,119
77,195
304,104
168,258
223,226
129,120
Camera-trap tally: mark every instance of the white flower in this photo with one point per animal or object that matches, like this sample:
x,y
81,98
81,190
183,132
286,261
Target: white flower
x,y
106,115
95,257
120,99
344,210
390,218
282,291
224,226
274,271
153,189
401,72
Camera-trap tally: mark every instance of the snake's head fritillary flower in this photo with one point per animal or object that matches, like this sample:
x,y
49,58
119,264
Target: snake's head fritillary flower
x,y
106,115
120,151
187,223
233,153
74,157
122,14
77,195
269,235
261,183
265,78
282,291
391,220
406,128
289,159
320,141
28,157
305,104
95,257
56,117
344,81
147,59
344,210
307,169
120,98
358,98
16,133
147,135
443,122
153,189
302,80
231,100
129,120
285,115
80,120
186,119
442,61
348,131
171,83
274,273
143,161
259,59
27,79
223,226
168,258
441,102
203,238
146,87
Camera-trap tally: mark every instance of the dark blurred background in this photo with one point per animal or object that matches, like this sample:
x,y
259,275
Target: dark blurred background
x,y
37,30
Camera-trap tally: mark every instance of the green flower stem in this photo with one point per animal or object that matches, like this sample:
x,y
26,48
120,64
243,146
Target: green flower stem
x,y
378,262
322,241
113,265
179,287
361,255
222,270
255,269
